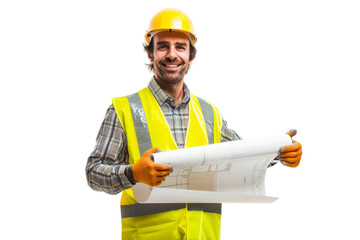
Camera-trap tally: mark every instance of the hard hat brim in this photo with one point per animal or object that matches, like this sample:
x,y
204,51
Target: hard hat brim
x,y
150,34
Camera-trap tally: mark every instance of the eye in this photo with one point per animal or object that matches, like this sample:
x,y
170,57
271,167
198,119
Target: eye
x,y
162,47
181,47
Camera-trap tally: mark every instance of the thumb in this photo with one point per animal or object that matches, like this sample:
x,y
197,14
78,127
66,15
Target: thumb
x,y
148,152
292,132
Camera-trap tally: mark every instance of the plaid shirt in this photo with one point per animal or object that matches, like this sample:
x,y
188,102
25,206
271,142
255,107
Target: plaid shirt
x,y
105,168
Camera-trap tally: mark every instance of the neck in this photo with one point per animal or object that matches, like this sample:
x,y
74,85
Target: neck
x,y
175,90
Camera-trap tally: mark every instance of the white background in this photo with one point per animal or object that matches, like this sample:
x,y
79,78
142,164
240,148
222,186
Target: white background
x,y
267,65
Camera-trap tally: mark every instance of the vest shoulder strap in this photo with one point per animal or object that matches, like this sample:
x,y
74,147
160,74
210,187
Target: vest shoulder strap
x,y
212,119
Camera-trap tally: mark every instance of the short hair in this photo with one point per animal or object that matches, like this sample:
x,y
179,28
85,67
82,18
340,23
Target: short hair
x,y
149,49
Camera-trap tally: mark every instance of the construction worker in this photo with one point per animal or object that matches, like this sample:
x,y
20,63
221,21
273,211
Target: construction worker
x,y
163,115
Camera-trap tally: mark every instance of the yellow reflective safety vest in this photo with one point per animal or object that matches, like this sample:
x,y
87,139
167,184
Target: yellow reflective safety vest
x,y
146,127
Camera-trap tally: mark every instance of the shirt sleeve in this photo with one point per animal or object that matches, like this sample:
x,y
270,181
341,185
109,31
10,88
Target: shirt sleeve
x,y
106,165
228,134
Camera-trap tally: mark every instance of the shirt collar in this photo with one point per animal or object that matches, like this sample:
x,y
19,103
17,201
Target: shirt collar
x,y
161,96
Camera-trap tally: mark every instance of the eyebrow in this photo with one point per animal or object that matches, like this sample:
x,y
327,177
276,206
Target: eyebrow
x,y
166,42
181,44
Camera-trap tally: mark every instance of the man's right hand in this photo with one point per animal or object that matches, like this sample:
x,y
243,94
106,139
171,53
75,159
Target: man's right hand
x,y
148,172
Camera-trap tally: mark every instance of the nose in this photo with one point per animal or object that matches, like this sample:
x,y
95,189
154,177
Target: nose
x,y
171,54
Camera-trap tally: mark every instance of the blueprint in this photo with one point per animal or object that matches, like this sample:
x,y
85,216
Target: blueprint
x,y
224,172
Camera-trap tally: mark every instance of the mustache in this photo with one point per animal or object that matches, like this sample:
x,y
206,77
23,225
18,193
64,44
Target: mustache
x,y
168,60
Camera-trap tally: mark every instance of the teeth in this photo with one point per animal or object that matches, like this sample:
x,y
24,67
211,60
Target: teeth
x,y
171,65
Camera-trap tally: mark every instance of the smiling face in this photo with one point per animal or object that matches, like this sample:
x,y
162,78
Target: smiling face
x,y
170,56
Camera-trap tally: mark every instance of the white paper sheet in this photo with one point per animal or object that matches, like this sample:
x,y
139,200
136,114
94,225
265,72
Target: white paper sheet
x,y
225,172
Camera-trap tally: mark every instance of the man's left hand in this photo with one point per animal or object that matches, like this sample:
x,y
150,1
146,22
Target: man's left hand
x,y
290,155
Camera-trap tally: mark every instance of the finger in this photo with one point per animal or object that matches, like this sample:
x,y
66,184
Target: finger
x,y
160,178
162,173
290,154
285,163
155,183
293,165
292,132
291,160
296,146
161,167
158,183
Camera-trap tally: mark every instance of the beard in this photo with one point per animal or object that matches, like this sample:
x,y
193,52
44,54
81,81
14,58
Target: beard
x,y
171,76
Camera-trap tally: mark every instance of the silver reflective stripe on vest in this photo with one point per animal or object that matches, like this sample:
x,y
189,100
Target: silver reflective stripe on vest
x,y
140,123
208,113
138,210
205,207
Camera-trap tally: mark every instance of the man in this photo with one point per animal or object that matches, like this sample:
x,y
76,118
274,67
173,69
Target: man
x,y
163,115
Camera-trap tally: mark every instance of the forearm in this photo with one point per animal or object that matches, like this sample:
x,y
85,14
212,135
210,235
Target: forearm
x,y
107,178
106,166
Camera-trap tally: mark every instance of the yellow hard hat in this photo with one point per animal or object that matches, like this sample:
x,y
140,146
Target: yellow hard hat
x,y
170,19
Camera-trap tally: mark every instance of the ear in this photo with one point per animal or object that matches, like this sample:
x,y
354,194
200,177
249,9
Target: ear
x,y
190,62
150,56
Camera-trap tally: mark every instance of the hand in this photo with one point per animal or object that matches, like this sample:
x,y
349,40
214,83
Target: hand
x,y
148,172
290,155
